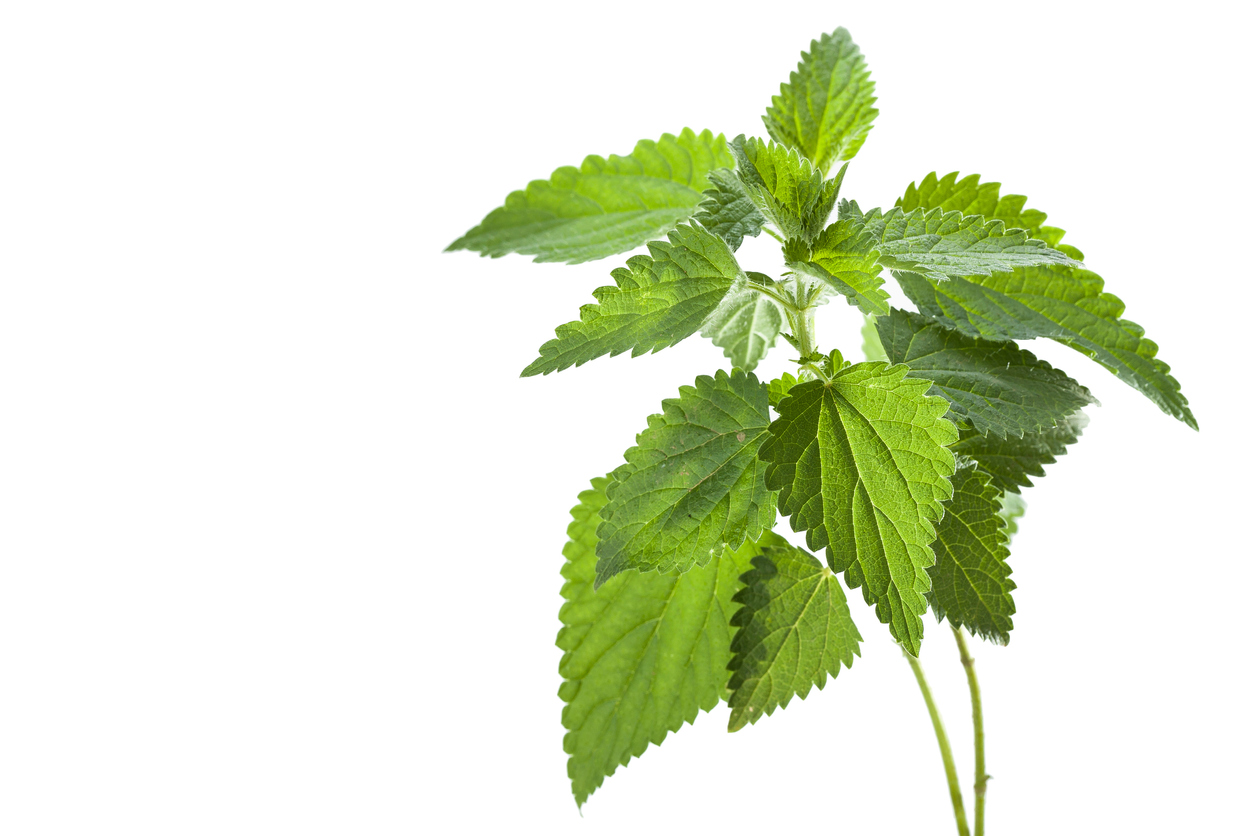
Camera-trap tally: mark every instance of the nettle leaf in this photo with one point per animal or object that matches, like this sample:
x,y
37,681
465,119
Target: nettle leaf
x,y
693,483
996,386
660,299
1010,461
844,259
1064,303
785,187
794,630
746,322
728,211
971,579
971,197
872,348
862,466
826,109
942,245
1012,508
778,388
643,654
604,207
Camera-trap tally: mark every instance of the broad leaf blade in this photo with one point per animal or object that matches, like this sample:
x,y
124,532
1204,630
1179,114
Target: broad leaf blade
x,y
728,211
862,466
660,299
745,324
971,583
999,388
785,187
971,197
693,483
1010,461
844,259
826,109
643,654
794,630
603,207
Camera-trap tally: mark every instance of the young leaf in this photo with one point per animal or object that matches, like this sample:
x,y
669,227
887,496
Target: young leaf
x,y
746,323
999,388
660,299
971,580
643,654
1063,303
788,191
1010,461
604,207
845,260
826,109
862,466
778,388
942,245
728,211
693,482
794,630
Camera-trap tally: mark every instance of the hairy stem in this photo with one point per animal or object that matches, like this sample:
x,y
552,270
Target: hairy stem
x,y
977,719
947,755
773,234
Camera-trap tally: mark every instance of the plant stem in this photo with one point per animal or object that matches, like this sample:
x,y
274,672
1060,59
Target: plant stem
x,y
773,234
947,755
977,719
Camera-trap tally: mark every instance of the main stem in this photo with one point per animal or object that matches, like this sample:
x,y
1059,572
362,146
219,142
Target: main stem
x,y
977,719
947,755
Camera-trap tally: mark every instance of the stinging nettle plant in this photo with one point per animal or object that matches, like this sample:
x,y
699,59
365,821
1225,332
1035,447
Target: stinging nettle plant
x,y
904,470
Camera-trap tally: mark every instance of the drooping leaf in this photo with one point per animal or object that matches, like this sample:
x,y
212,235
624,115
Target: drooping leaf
x,y
999,388
845,260
1012,508
643,654
794,630
941,245
660,299
603,207
785,187
728,211
1010,461
1064,303
693,483
862,466
872,348
971,579
746,322
826,109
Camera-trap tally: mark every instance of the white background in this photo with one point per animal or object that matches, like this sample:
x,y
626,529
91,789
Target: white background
x,y
280,526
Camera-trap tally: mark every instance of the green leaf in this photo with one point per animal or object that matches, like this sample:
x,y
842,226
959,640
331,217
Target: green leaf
x,y
693,482
999,388
872,348
862,466
826,109
643,654
660,299
942,244
786,189
971,580
1012,508
1010,461
604,207
794,630
844,259
778,388
1066,304
971,197
728,211
746,323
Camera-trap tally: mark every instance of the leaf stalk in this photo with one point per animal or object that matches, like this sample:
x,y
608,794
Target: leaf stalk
x,y
947,755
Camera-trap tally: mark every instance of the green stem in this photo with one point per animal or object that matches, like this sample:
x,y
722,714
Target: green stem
x,y
977,719
772,233
947,755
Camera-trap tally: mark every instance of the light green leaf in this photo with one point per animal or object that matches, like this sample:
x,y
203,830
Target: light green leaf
x,y
826,109
942,244
999,388
971,197
1010,461
746,323
778,388
1012,508
604,207
844,259
862,466
786,189
643,654
1063,303
794,630
693,483
872,348
728,211
660,299
971,580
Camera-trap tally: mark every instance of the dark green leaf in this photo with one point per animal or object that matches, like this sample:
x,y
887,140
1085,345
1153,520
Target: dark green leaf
x,y
1010,461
